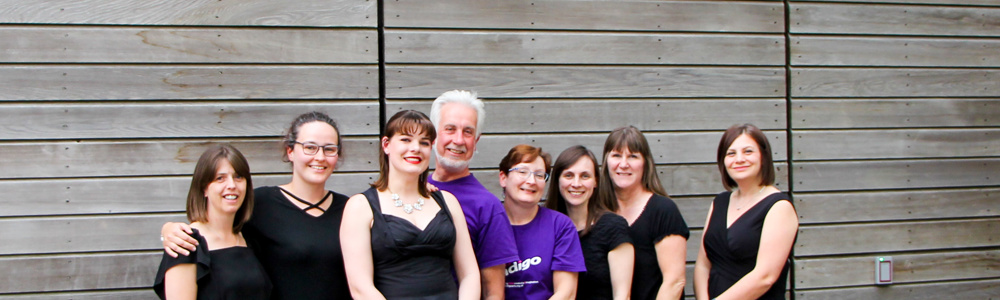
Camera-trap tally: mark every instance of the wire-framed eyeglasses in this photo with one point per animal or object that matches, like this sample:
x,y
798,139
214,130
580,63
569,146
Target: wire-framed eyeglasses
x,y
313,148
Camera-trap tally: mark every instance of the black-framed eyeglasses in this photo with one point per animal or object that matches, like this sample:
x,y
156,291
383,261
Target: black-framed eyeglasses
x,y
312,149
524,172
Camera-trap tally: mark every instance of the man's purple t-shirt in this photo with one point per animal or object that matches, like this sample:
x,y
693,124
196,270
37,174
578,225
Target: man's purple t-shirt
x,y
492,236
546,244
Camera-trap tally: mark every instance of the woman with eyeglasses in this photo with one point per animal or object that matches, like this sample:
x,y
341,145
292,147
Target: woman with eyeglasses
x,y
548,246
295,227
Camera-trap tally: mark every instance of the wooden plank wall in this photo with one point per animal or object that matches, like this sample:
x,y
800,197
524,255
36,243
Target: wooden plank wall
x,y
884,116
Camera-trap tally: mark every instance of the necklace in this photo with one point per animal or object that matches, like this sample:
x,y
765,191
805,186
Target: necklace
x,y
745,202
408,208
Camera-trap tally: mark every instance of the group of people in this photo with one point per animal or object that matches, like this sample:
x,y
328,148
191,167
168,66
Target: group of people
x,y
604,232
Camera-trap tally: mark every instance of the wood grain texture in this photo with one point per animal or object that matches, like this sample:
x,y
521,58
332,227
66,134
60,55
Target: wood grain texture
x,y
830,82
908,268
83,234
763,16
974,289
347,13
895,174
70,44
139,82
582,48
816,240
894,51
113,159
139,293
608,82
121,195
172,120
866,206
894,113
602,116
889,143
859,18
78,272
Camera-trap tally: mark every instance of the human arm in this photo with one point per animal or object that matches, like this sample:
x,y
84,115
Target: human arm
x,y
466,268
355,236
702,266
776,239
564,285
180,282
621,262
670,253
176,238
493,282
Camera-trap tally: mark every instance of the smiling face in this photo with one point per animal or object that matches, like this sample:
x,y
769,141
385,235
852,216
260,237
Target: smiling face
x,y
524,189
316,168
227,189
456,137
743,158
625,168
408,152
577,182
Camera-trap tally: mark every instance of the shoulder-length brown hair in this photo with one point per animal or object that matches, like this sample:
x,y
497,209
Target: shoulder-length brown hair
x,y
555,200
204,174
632,139
410,122
766,174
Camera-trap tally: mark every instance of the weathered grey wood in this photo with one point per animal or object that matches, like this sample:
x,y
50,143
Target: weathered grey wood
x,y
894,113
143,293
952,2
895,174
893,19
894,51
896,205
588,15
838,239
167,120
172,157
907,268
602,116
506,47
975,289
187,45
83,234
141,82
131,194
902,143
612,82
21,274
195,12
830,82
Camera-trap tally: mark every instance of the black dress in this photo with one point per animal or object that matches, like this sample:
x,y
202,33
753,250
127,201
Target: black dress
x,y
606,234
300,252
733,251
228,273
410,263
659,219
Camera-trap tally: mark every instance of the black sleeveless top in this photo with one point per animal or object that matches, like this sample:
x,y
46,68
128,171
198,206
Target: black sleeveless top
x,y
227,273
410,263
733,251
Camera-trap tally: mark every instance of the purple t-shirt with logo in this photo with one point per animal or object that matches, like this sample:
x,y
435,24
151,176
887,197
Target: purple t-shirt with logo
x,y
492,236
546,244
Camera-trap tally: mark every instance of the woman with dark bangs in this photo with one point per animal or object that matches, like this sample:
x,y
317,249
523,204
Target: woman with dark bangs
x,y
604,237
400,240
630,187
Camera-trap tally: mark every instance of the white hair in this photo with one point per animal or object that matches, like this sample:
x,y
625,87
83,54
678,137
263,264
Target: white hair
x,y
459,96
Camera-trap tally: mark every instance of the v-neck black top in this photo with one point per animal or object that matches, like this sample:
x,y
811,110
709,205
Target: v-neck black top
x,y
733,251
300,252
659,218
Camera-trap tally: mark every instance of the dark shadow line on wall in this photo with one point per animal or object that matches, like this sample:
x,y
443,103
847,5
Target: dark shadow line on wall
x,y
381,65
789,137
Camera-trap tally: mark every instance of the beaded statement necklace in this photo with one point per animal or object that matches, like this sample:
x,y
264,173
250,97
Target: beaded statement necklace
x,y
408,208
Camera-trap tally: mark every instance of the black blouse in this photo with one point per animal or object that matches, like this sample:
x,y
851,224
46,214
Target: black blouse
x,y
659,219
228,273
609,232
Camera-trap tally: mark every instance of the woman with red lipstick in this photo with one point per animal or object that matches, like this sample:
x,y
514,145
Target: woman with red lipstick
x,y
416,236
548,246
750,227
296,226
219,203
630,187
607,247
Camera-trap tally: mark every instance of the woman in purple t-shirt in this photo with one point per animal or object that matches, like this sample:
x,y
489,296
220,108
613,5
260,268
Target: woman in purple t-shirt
x,y
548,247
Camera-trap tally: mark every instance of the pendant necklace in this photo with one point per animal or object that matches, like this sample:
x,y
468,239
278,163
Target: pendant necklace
x,y
754,195
408,208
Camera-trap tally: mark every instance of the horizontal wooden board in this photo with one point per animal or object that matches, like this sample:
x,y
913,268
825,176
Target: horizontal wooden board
x,y
150,82
65,44
858,18
975,289
894,51
130,194
894,113
574,116
896,205
195,12
902,143
609,82
816,240
907,268
582,48
143,293
748,16
83,234
78,272
172,120
98,159
861,82
948,2
895,174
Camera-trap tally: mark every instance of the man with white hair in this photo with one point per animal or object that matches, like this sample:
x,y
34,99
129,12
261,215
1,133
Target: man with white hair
x,y
458,117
